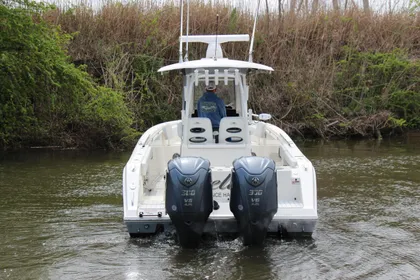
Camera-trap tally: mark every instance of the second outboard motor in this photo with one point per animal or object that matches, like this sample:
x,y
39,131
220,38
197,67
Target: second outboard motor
x,y
189,197
253,197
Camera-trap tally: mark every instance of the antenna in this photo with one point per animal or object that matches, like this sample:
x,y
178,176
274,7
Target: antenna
x,y
251,45
188,28
217,31
180,37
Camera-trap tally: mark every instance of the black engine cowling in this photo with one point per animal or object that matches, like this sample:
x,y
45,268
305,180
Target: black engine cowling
x,y
189,197
253,197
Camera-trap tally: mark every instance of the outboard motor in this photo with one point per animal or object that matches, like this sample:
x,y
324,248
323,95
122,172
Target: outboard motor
x,y
189,197
253,197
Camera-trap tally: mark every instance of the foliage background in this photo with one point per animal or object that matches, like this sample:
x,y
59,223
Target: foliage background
x,y
84,77
45,99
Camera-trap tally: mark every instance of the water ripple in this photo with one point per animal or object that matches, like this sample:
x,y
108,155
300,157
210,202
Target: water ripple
x,y
61,217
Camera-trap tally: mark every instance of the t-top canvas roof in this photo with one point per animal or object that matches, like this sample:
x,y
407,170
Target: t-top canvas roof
x,y
215,63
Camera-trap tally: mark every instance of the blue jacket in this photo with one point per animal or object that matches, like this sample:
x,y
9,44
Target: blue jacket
x,y
212,107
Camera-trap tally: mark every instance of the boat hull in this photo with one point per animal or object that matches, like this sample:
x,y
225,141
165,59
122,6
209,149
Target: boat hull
x,y
144,182
284,227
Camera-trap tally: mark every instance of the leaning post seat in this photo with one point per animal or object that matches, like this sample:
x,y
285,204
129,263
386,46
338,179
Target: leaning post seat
x,y
199,131
232,130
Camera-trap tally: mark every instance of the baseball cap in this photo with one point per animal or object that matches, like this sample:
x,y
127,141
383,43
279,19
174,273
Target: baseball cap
x,y
211,86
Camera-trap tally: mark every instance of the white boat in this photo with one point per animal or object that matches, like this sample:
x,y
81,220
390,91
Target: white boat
x,y
252,181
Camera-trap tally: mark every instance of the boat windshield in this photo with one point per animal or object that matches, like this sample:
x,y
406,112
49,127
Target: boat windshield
x,y
225,92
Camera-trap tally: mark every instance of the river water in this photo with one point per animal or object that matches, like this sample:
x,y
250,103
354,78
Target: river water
x,y
61,218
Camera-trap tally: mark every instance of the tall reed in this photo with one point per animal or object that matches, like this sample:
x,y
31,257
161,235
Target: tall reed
x,y
303,48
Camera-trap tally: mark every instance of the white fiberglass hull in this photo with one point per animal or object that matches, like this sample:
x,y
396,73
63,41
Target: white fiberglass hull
x,y
144,183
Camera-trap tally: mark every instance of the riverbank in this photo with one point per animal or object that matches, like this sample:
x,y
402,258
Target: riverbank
x,y
337,74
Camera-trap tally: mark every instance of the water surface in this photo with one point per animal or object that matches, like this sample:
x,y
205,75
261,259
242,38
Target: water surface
x,y
61,218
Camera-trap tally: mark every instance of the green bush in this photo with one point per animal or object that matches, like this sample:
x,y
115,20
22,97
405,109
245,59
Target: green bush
x,y
158,97
368,82
406,105
45,99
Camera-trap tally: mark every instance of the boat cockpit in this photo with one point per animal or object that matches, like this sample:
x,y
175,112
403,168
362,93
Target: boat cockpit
x,y
226,92
233,134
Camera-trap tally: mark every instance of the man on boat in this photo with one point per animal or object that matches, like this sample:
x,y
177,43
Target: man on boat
x,y
211,106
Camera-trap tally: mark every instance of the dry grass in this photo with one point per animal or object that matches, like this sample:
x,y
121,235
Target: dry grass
x,y
302,47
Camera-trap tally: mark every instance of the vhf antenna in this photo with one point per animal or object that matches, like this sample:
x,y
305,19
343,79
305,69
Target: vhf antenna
x,y
251,46
217,31
180,37
188,28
